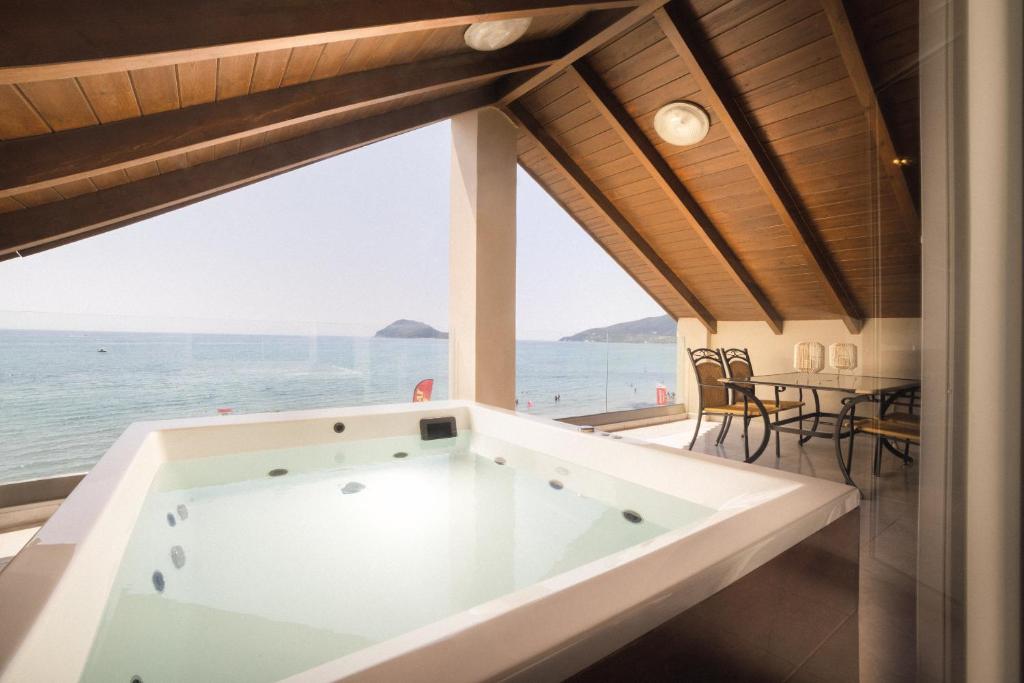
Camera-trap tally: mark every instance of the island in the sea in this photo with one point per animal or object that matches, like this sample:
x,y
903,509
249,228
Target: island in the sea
x,y
657,330
410,329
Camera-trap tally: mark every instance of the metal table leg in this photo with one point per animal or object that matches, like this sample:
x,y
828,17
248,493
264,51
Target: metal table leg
x,y
817,412
849,409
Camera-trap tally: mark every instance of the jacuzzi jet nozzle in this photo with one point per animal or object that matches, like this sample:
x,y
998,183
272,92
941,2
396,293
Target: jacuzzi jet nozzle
x,y
178,557
632,516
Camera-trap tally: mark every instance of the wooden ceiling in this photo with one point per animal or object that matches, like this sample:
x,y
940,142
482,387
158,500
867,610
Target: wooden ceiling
x,y
791,208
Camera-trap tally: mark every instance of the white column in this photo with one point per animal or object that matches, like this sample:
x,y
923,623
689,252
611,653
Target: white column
x,y
482,269
994,367
690,333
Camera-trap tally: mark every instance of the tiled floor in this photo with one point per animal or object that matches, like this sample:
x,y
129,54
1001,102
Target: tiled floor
x,y
886,615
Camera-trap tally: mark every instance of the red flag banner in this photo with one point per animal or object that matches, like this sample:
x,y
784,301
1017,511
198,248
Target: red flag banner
x,y
423,390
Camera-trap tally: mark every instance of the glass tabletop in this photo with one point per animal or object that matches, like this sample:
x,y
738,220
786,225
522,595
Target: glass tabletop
x,y
851,384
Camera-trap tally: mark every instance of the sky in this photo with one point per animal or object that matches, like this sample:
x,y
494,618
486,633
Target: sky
x,y
342,247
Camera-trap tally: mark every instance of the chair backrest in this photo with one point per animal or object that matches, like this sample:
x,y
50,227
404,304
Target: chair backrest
x,y
738,365
709,368
909,399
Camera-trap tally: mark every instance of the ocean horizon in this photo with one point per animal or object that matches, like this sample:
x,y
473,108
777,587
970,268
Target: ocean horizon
x,y
63,402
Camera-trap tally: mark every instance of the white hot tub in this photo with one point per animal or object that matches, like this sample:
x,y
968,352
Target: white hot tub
x,y
322,545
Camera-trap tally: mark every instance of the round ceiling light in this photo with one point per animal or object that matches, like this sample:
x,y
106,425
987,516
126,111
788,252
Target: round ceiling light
x,y
494,35
682,123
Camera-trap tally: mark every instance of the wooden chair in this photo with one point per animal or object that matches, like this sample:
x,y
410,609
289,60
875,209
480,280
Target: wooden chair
x,y
903,427
714,397
910,401
738,365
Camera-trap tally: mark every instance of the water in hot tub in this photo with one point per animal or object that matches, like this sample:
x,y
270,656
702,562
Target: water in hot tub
x,y
255,566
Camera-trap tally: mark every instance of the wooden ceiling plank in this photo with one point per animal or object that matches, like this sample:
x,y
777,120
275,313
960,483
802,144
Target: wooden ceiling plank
x,y
18,118
61,104
197,82
301,64
156,89
331,59
10,204
669,184
269,70
234,76
105,181
104,37
849,50
702,67
43,160
147,170
175,163
589,34
97,211
111,96
629,43
579,180
39,197
75,188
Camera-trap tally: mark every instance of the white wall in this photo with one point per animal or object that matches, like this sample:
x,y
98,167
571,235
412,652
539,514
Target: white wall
x,y
690,333
889,347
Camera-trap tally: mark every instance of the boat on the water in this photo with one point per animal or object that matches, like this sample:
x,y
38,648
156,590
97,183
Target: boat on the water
x,y
101,350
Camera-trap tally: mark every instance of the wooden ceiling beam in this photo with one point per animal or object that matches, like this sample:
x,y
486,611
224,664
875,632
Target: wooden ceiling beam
x,y
591,33
681,30
643,149
59,222
586,187
39,41
43,160
853,60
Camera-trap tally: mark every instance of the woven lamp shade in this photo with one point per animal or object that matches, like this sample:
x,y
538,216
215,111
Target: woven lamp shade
x,y
842,356
808,357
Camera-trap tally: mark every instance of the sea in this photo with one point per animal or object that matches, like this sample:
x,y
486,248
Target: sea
x,y
63,402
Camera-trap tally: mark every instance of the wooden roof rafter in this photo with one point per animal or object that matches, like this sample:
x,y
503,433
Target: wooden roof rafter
x,y
43,160
853,60
586,187
666,179
784,180
678,28
47,225
592,32
102,37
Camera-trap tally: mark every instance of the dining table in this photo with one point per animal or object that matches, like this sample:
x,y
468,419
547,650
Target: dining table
x,y
856,389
